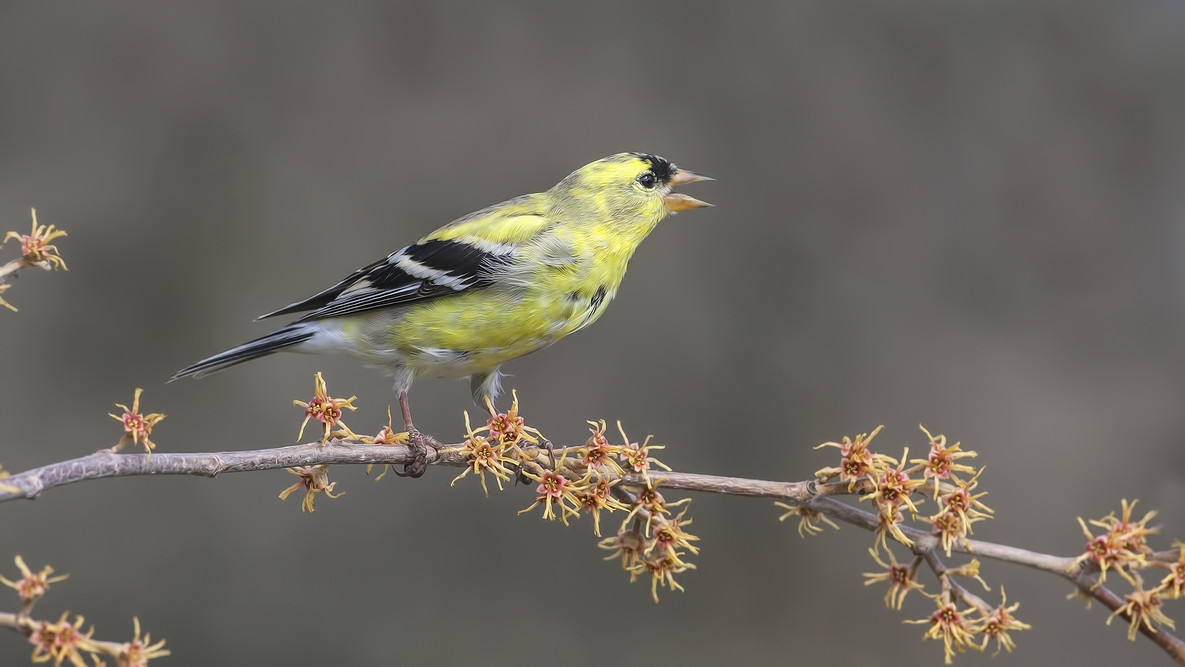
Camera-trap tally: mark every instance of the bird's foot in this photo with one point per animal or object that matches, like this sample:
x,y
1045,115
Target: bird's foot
x,y
419,443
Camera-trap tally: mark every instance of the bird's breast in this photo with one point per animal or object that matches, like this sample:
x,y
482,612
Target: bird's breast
x,y
479,330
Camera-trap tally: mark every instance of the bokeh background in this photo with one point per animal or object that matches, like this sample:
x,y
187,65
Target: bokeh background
x,y
968,215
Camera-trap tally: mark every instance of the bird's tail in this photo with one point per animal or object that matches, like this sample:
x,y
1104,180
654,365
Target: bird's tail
x,y
260,347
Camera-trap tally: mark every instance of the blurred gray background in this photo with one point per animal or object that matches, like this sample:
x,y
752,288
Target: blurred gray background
x,y
968,215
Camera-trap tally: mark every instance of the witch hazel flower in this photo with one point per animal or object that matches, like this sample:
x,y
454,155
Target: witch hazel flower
x,y
136,427
942,462
555,491
856,461
628,544
325,409
314,480
999,622
1144,609
808,519
902,579
386,436
597,496
952,626
893,485
485,455
139,651
509,428
960,508
888,522
669,534
36,252
1122,544
62,641
597,454
662,568
30,587
35,246
637,457
1174,583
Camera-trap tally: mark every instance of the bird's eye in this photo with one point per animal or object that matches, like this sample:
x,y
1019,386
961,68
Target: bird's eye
x,y
647,180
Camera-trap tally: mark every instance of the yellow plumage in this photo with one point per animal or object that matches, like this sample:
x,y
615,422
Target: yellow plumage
x,y
490,287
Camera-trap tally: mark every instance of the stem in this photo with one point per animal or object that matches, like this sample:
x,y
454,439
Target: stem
x,y
940,570
11,268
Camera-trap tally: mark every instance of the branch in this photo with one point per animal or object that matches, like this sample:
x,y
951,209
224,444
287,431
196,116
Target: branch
x,y
1087,584
810,494
65,641
105,463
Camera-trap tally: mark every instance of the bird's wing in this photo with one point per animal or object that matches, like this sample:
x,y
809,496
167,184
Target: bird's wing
x,y
466,254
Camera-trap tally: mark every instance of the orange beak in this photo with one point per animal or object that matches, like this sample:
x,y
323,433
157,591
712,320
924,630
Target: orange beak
x,y
677,201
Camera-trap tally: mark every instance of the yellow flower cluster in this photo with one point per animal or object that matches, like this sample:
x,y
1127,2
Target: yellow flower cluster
x,y
62,641
590,479
958,628
963,620
893,486
890,484
1123,547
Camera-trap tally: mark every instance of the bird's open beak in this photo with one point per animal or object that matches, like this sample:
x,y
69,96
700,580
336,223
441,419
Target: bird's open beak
x,y
677,201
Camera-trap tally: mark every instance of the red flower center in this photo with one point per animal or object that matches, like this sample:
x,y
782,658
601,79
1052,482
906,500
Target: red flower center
x,y
31,245
552,484
940,467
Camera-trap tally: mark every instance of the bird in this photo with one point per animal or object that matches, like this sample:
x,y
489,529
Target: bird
x,y
489,287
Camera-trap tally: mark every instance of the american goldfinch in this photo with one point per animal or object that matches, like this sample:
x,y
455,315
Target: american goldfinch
x,y
489,287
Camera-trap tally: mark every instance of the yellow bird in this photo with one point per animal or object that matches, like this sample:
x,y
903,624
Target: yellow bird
x,y
492,286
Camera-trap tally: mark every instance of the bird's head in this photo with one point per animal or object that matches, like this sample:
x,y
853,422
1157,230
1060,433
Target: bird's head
x,y
638,185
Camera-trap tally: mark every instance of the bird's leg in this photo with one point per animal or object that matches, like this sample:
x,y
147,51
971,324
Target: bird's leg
x,y
419,443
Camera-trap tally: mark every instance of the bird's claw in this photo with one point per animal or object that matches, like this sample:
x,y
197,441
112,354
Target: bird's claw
x,y
419,443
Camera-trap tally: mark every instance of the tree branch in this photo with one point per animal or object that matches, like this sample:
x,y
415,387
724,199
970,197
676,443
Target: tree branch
x,y
810,494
